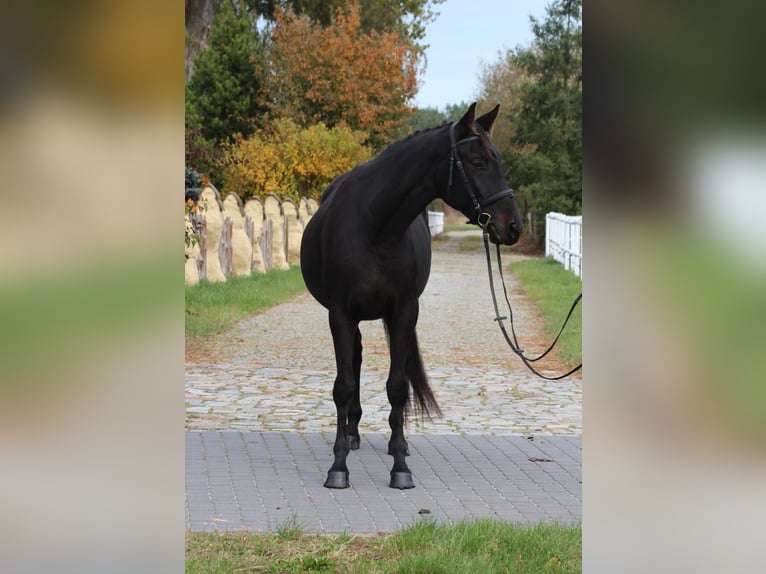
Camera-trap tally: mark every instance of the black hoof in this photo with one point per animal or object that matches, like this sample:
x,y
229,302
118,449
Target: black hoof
x,y
354,442
336,479
401,480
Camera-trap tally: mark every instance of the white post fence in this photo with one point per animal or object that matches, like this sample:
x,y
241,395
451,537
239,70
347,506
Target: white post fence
x,y
436,222
563,240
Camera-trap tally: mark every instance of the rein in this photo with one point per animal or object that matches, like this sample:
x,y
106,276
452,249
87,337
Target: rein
x,y
514,344
484,220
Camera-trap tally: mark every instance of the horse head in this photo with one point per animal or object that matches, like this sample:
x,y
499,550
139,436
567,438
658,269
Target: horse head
x,y
477,185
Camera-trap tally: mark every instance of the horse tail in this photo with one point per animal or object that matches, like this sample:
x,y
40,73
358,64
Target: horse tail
x,y
426,401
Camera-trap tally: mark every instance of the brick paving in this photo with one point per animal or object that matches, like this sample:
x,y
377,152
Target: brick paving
x,y
260,481
260,419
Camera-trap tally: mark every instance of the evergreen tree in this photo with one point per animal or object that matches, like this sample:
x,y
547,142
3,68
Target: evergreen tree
x,y
225,96
545,161
427,117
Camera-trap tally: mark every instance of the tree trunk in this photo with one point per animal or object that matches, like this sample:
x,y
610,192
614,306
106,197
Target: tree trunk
x,y
199,19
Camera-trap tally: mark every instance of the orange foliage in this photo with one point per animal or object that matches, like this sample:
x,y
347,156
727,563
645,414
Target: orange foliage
x,y
289,161
341,75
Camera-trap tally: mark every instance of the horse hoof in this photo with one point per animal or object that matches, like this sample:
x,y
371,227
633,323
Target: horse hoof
x,y
336,479
401,480
354,442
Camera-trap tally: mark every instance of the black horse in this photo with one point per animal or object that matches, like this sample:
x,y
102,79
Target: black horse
x,y
366,254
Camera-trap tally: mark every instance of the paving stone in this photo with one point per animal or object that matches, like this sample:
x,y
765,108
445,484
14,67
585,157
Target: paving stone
x,y
260,420
283,380
370,506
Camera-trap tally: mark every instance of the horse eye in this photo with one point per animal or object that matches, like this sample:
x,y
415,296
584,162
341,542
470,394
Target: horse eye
x,y
477,162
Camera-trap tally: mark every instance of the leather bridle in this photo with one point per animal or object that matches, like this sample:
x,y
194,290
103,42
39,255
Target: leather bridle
x,y
480,217
484,220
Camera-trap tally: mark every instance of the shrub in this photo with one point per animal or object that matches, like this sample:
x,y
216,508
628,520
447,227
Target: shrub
x,y
289,161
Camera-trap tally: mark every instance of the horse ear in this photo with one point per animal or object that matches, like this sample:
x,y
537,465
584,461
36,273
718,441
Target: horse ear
x,y
467,120
488,119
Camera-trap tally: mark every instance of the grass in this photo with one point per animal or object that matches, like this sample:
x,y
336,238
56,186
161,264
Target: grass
x,y
475,546
213,307
553,289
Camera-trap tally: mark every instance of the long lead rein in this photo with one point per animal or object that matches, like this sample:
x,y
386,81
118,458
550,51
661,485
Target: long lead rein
x,y
513,344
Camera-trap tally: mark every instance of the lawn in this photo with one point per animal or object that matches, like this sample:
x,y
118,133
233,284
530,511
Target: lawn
x,y
553,289
213,307
474,547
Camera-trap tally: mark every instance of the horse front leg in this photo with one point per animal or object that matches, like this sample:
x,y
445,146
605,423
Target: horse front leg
x,y
343,333
355,411
401,330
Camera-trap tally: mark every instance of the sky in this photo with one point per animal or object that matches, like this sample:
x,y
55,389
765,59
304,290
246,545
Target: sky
x,y
465,34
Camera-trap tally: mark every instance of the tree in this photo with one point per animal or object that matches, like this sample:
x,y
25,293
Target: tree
x,y
545,161
225,96
407,18
340,75
453,112
501,82
427,117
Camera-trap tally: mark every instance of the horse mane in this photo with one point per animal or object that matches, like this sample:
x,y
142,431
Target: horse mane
x,y
475,129
409,137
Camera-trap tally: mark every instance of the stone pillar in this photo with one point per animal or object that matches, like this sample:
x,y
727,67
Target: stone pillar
x,y
242,248
273,210
210,205
294,231
254,211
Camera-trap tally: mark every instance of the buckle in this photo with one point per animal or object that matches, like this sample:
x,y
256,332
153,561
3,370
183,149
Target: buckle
x,y
484,219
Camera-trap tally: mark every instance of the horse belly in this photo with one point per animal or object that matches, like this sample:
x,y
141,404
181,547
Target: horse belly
x,y
312,261
375,292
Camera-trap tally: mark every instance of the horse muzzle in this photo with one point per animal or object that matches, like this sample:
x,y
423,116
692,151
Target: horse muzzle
x,y
507,234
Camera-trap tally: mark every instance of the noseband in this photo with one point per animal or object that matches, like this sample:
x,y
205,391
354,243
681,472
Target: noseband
x,y
481,217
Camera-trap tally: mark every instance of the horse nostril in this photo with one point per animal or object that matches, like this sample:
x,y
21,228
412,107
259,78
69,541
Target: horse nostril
x,y
514,232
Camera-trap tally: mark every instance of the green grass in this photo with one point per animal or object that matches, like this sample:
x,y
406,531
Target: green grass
x,y
214,307
553,289
474,547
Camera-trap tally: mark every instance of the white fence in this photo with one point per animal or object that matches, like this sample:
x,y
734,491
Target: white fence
x,y
563,240
436,222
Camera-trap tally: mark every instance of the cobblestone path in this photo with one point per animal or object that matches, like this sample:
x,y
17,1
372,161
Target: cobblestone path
x,y
274,372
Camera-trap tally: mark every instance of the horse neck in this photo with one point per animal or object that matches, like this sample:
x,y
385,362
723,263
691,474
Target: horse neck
x,y
415,172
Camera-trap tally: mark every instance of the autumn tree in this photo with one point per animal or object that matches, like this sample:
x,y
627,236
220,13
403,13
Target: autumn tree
x,y
407,18
341,75
501,82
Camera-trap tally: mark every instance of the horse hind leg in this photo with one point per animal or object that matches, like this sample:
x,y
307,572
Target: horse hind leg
x,y
416,375
355,411
343,334
401,329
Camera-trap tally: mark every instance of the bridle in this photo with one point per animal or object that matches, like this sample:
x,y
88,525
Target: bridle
x,y
484,220
480,217
514,344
